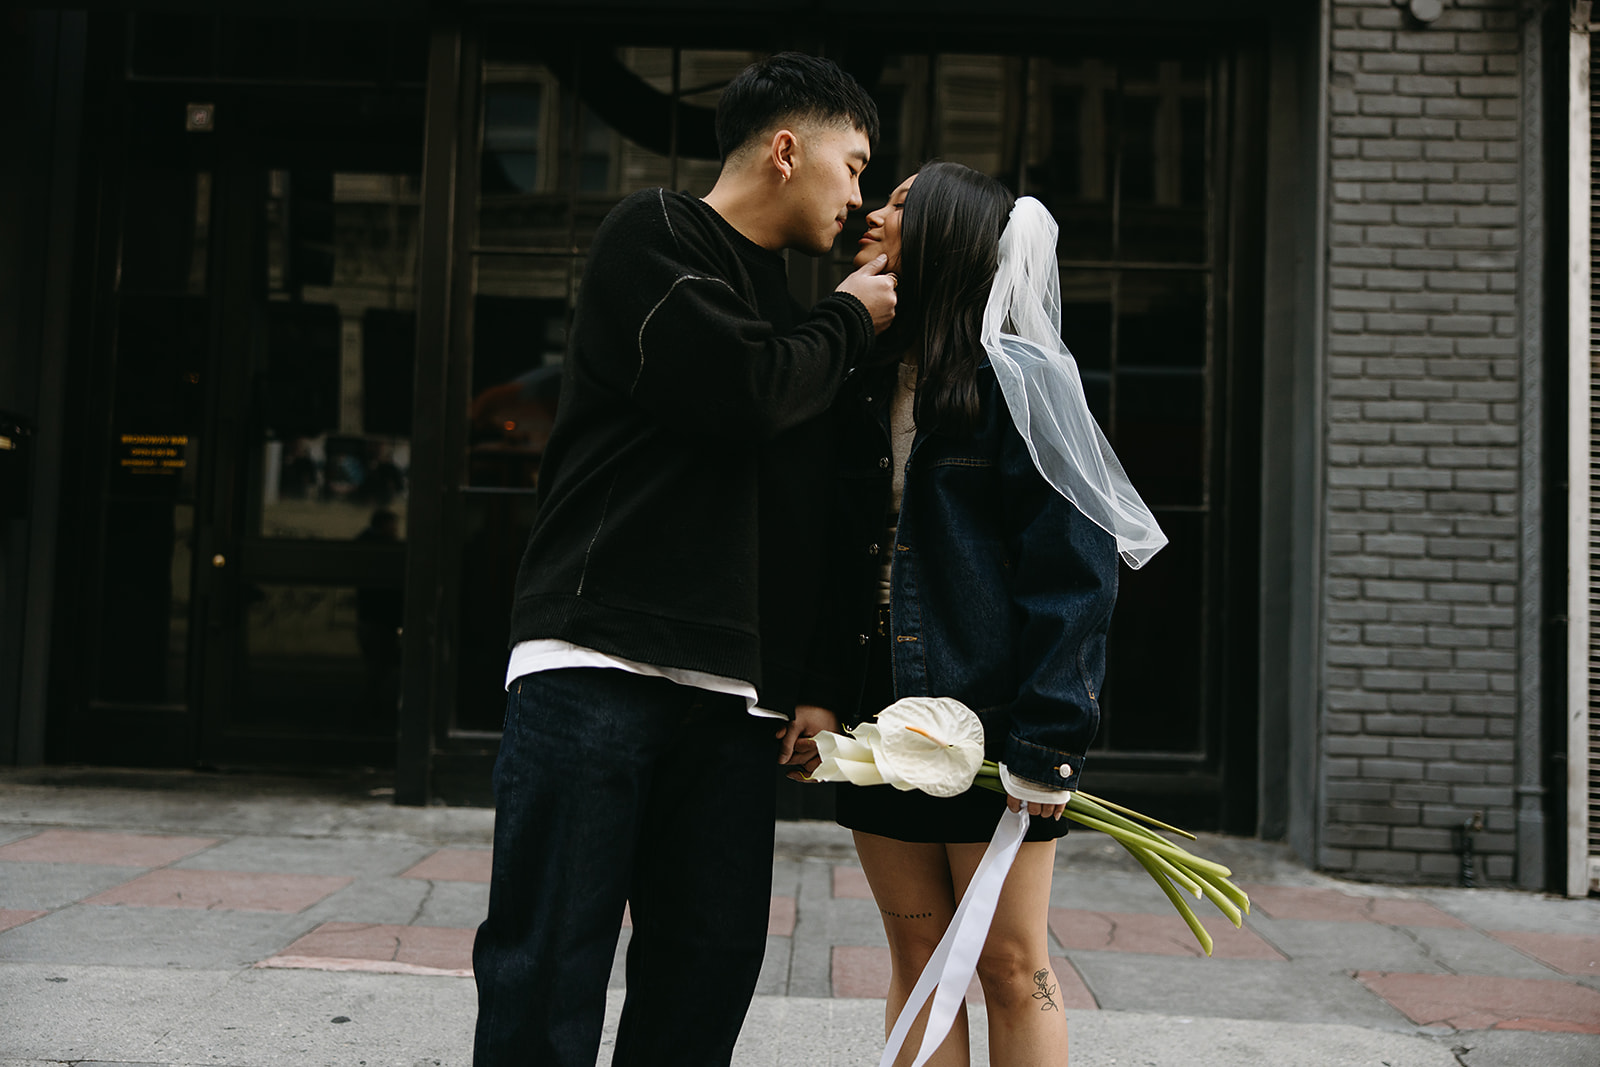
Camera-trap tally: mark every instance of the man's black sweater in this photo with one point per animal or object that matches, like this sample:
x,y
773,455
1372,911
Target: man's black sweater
x,y
648,541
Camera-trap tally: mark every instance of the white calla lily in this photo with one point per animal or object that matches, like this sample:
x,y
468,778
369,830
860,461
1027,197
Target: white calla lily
x,y
934,744
845,759
931,744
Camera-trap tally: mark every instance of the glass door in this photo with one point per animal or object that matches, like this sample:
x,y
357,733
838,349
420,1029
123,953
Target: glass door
x,y
306,534
247,443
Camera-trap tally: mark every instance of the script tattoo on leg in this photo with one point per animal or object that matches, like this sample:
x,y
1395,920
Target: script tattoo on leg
x,y
1046,991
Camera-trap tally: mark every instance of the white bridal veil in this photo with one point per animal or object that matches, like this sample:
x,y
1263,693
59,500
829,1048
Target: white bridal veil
x,y
1040,381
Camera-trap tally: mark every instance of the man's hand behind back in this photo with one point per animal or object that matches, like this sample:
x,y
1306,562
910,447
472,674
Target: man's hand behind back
x,y
797,745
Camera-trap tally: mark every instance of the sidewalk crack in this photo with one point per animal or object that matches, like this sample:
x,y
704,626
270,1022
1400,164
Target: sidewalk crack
x,y
1427,949
427,895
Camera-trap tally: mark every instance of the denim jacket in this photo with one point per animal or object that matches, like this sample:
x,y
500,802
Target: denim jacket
x,y
1001,590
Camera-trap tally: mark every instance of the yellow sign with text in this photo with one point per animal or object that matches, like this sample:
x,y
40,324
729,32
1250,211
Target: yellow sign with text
x,y
153,453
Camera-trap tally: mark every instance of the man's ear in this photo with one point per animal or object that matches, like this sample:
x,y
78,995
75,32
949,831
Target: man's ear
x,y
782,152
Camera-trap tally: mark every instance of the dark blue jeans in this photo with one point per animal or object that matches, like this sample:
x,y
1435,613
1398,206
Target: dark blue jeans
x,y
616,788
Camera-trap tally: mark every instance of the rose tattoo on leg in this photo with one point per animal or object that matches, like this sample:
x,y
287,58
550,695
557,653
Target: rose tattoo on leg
x,y
1046,991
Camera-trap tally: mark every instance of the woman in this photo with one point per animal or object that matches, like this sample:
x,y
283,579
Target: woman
x,y
983,579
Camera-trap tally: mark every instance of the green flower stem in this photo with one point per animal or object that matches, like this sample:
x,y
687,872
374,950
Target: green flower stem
x,y
1088,806
1104,803
1165,862
1201,885
1229,890
1177,874
1229,899
1214,894
1178,902
1153,843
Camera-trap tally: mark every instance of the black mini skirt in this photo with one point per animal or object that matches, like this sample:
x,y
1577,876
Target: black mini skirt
x,y
915,816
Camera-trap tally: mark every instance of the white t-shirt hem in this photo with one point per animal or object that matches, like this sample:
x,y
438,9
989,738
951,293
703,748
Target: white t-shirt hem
x,y
549,654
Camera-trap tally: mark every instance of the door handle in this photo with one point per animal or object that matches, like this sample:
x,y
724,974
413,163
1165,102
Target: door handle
x,y
219,560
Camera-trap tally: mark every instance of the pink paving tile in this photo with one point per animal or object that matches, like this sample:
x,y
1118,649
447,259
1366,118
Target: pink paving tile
x,y
105,849
850,883
780,917
429,950
223,890
1473,1002
1073,993
454,865
863,971
10,918
1156,935
1330,905
1577,954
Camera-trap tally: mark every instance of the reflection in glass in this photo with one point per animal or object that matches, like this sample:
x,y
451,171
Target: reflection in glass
x,y
513,116
1120,155
326,487
495,533
1069,164
521,312
563,139
979,104
323,659
333,387
1164,161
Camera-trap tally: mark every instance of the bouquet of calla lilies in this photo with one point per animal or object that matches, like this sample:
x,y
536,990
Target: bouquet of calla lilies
x,y
935,744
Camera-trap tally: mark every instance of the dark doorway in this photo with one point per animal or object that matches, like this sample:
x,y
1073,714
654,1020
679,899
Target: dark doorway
x,y
248,401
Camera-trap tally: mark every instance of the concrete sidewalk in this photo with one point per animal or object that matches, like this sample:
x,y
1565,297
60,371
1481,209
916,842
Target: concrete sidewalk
x,y
163,918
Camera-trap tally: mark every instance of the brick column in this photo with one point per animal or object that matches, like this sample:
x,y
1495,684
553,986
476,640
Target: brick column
x,y
1422,548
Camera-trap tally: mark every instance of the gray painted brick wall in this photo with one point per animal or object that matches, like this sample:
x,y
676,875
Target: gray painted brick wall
x,y
1419,671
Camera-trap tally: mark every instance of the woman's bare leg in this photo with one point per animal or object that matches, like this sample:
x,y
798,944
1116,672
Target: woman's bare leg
x,y
911,883
1026,1024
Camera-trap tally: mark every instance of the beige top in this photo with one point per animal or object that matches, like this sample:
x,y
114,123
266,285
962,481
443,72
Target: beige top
x,y
902,431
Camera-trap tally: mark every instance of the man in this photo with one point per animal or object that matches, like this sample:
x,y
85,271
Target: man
x,y
632,770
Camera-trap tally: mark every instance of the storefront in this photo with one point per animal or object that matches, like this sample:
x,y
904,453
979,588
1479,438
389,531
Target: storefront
x,y
301,348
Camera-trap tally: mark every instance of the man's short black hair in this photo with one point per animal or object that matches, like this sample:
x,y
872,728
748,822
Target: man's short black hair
x,y
788,87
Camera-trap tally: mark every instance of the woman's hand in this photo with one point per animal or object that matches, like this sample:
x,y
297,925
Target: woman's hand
x,y
1035,809
796,745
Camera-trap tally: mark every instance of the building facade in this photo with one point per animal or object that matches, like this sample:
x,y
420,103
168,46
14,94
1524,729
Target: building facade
x,y
284,298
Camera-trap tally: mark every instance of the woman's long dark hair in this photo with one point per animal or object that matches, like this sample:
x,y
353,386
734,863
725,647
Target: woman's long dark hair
x,y
949,249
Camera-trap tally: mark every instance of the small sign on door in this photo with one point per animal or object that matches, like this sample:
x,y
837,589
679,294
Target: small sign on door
x,y
199,118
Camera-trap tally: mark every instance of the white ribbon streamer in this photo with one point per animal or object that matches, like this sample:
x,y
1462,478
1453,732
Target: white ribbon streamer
x,y
950,969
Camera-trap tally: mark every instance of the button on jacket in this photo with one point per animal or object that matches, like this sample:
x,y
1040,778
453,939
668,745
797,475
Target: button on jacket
x,y
1001,590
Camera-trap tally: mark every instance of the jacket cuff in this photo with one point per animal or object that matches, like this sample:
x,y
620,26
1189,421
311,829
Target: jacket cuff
x,y
1035,763
863,316
1036,792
